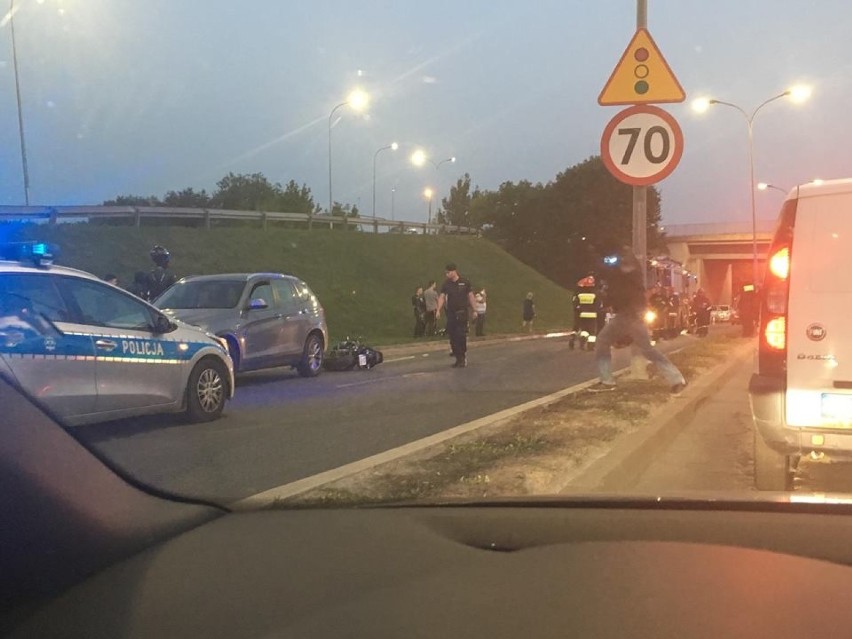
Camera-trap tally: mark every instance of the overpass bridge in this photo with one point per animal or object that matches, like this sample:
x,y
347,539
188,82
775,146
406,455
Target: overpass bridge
x,y
720,254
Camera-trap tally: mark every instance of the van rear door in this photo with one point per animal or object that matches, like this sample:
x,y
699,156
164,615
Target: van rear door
x,y
819,321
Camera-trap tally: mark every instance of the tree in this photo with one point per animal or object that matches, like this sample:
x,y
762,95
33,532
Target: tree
x,y
134,200
243,192
562,228
456,207
297,199
188,197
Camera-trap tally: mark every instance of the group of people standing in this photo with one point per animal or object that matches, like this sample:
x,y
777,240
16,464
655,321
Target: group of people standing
x,y
425,303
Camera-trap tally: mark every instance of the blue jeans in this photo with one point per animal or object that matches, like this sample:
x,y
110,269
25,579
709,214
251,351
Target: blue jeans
x,y
631,325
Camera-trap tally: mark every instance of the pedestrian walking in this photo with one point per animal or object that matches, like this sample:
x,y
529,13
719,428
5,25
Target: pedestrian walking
x,y
431,297
480,307
418,304
529,313
457,297
159,279
626,295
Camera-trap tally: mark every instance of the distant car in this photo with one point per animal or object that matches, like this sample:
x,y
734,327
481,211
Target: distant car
x,y
91,352
721,313
266,319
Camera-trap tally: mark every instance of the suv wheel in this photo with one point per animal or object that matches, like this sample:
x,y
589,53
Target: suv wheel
x,y
772,470
206,390
311,362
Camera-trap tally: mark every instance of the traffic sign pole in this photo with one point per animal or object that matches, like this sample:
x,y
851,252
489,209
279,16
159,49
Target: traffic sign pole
x,y
638,369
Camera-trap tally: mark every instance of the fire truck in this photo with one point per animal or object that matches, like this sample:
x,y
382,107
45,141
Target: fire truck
x,y
670,288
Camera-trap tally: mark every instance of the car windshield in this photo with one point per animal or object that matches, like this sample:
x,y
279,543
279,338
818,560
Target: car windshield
x,y
341,253
202,294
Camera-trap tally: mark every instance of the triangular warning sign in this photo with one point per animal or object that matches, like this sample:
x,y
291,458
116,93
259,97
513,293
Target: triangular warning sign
x,y
642,76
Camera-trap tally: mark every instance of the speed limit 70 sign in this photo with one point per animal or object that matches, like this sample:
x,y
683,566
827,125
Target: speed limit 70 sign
x,y
642,145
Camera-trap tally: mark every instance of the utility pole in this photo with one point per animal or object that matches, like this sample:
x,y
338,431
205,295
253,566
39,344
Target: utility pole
x,y
638,368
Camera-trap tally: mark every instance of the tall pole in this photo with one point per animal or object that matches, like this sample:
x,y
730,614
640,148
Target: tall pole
x,y
753,213
393,197
640,198
640,193
18,99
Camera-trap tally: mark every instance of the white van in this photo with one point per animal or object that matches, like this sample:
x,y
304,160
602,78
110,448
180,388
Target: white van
x,y
801,393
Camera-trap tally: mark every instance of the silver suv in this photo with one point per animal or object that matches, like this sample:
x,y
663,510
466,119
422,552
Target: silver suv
x,y
267,319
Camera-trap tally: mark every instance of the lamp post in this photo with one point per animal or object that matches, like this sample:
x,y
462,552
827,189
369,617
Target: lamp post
x,y
428,193
393,146
393,197
18,101
700,105
358,100
763,186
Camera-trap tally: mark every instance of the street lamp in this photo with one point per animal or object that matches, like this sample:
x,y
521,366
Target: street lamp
x,y
393,197
763,186
438,165
18,100
393,146
358,100
797,94
418,158
428,193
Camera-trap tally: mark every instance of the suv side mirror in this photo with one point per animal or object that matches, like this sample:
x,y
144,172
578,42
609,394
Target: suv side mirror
x,y
163,324
257,304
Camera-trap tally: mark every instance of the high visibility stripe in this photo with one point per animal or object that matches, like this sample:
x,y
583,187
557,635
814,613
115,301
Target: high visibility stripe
x,y
588,315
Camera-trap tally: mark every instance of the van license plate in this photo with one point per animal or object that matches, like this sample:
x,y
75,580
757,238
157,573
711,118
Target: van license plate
x,y
836,407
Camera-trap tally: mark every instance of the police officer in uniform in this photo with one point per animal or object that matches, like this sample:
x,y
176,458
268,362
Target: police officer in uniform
x,y
159,279
458,297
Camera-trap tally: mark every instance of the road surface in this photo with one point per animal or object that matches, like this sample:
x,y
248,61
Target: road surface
x,y
280,427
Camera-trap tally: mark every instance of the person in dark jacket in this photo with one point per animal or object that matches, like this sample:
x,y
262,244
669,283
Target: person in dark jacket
x,y
626,296
159,279
418,302
529,312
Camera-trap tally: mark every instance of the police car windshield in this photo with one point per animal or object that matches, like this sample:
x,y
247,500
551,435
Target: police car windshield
x,y
202,294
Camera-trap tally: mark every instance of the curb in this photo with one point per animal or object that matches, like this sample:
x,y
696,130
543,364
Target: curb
x,y
619,469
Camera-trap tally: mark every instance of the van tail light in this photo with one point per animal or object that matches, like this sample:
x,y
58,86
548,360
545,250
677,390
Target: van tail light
x,y
772,351
775,333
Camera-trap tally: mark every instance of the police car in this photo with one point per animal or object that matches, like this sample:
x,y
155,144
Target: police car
x,y
91,352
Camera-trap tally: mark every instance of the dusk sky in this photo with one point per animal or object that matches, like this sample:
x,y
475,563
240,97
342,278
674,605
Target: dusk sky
x,y
141,97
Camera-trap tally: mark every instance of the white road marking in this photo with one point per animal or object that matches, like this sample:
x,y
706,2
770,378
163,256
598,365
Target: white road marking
x,y
366,381
401,359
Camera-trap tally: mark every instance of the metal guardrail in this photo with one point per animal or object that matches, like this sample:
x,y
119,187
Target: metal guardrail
x,y
206,217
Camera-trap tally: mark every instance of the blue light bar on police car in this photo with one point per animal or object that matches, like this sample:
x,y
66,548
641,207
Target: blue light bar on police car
x,y
38,253
611,260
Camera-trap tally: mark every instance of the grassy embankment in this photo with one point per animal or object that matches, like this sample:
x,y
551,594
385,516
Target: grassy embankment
x,y
364,281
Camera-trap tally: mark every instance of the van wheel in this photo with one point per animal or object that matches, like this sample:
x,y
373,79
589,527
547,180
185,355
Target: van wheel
x,y
311,362
206,391
772,470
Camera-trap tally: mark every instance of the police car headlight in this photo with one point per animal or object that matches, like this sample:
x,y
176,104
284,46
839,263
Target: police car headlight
x,y
650,316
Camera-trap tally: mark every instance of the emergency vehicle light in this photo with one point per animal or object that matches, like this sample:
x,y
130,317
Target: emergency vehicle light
x,y
39,253
611,260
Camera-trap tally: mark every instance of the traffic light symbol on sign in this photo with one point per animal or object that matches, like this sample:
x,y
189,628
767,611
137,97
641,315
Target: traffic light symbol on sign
x,y
642,76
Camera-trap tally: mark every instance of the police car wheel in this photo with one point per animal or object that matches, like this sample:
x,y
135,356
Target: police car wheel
x,y
206,391
312,356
